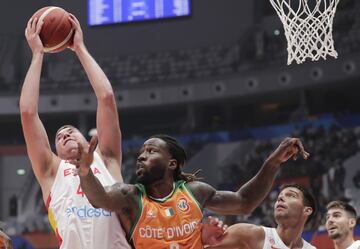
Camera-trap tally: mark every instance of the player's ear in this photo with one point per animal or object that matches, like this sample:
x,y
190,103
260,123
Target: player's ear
x,y
308,211
173,164
352,223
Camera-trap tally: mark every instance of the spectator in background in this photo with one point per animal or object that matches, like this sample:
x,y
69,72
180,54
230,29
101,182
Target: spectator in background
x,y
20,242
13,206
340,174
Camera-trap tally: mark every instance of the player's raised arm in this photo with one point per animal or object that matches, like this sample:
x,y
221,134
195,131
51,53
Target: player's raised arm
x,y
252,193
120,197
42,158
107,120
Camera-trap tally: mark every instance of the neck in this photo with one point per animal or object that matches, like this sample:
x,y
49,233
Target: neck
x,y
160,189
291,235
343,243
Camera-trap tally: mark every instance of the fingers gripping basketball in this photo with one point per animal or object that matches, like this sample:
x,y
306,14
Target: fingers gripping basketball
x,y
57,32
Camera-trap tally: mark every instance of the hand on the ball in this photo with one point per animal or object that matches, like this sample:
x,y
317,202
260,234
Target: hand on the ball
x,y
78,40
32,32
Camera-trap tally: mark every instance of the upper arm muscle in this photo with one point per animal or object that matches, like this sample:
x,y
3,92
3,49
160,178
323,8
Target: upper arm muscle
x,y
42,158
222,202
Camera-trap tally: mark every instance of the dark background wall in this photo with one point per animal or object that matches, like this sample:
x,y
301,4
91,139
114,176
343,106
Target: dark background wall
x,y
211,22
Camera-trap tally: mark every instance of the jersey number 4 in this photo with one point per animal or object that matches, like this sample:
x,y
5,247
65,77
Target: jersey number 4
x,y
79,191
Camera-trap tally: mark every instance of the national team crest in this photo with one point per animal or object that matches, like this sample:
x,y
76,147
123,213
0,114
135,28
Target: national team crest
x,y
183,205
151,214
272,241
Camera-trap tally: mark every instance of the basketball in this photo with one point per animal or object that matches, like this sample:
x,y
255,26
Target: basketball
x,y
56,33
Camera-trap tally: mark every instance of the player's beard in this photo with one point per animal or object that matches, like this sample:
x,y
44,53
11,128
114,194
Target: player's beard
x,y
338,234
334,236
150,176
279,216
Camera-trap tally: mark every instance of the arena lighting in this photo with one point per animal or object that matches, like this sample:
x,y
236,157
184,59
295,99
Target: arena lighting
x,y
92,132
20,172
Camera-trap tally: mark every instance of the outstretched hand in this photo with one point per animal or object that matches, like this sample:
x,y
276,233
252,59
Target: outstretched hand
x,y
85,157
288,148
212,231
32,32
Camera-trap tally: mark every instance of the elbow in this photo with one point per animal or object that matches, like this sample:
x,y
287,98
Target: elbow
x,y
27,111
243,210
246,207
107,97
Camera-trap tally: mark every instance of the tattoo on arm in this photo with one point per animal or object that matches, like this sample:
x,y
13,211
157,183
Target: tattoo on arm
x,y
94,191
255,190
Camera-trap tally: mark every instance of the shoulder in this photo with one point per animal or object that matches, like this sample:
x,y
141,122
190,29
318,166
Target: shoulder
x,y
111,163
201,191
53,166
355,244
198,186
248,230
98,155
126,188
248,235
47,177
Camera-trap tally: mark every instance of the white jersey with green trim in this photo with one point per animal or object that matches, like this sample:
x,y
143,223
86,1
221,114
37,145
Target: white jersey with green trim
x,y
77,224
273,241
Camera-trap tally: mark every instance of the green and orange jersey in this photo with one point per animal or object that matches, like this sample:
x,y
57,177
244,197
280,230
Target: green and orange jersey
x,y
169,223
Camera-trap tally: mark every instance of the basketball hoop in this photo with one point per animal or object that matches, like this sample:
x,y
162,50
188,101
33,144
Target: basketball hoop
x,y
308,28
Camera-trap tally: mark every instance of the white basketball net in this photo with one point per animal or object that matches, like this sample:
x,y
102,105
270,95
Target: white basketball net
x,y
308,29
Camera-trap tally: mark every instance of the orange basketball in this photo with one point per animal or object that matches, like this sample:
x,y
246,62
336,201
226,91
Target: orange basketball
x,y
57,32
